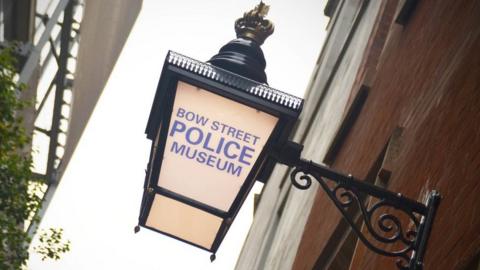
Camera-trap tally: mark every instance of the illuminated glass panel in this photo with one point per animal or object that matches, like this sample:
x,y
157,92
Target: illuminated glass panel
x,y
212,144
183,221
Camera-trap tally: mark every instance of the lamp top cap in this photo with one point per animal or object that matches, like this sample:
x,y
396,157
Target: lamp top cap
x,y
253,25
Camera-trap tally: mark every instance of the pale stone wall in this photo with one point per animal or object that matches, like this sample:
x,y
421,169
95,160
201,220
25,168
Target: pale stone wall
x,y
104,30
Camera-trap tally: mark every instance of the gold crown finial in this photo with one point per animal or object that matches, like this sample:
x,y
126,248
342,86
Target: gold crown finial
x,y
253,25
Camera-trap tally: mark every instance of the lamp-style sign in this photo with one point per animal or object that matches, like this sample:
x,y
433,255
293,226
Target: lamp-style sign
x,y
217,127
210,131
212,126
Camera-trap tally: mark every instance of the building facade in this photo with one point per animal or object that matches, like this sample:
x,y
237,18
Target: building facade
x,y
393,100
66,50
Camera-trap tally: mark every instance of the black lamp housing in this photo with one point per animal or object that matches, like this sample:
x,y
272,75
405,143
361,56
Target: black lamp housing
x,y
259,96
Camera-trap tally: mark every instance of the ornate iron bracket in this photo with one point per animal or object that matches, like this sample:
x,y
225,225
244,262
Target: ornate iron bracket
x,y
384,231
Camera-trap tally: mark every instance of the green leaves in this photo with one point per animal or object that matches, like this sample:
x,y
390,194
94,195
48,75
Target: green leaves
x,y
51,244
16,203
19,194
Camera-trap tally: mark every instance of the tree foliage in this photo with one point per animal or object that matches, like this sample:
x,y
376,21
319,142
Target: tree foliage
x,y
19,197
52,244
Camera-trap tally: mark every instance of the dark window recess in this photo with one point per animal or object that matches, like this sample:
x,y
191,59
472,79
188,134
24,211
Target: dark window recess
x,y
330,7
256,201
281,207
18,20
347,124
393,149
344,256
406,11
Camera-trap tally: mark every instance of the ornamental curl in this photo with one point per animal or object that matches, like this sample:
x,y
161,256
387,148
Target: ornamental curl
x,y
344,196
303,181
391,225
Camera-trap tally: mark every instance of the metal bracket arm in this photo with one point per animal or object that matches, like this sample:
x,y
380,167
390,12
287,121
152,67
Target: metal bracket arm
x,y
394,226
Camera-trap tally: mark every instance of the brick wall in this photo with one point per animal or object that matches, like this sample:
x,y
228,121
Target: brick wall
x,y
428,82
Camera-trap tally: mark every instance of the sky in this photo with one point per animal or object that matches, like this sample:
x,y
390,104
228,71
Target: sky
x,y
97,202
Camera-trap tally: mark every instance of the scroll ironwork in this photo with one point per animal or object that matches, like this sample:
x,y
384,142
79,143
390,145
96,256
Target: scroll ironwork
x,y
385,230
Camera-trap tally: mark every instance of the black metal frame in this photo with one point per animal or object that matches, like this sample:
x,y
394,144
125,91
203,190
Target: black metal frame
x,y
381,225
34,63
